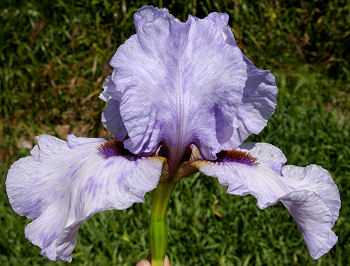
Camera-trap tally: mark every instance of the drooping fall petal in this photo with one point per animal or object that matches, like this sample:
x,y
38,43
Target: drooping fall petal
x,y
61,184
309,193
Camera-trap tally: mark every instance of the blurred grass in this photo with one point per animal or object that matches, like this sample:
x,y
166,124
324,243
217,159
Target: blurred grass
x,y
53,60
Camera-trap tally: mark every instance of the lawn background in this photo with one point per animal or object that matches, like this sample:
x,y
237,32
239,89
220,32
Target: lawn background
x,y
53,60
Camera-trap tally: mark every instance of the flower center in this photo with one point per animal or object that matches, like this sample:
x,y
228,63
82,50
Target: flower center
x,y
113,148
237,156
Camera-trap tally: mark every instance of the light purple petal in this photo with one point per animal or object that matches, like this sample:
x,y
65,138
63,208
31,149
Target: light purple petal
x,y
64,183
111,118
183,83
309,193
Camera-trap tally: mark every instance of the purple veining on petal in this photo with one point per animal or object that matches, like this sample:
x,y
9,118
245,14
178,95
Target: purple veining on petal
x,y
35,209
47,240
92,186
237,156
109,163
121,180
73,173
76,210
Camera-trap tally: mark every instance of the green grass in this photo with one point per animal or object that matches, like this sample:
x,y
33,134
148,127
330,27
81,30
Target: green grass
x,y
53,60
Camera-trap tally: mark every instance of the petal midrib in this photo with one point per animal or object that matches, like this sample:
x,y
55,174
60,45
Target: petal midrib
x,y
178,147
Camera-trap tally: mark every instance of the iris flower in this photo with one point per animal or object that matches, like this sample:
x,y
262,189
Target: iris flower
x,y
182,98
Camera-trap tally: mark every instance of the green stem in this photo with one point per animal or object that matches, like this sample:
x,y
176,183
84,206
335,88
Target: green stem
x,y
158,228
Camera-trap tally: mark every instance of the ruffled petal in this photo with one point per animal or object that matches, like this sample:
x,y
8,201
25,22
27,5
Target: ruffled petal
x,y
309,193
314,219
63,183
258,105
183,83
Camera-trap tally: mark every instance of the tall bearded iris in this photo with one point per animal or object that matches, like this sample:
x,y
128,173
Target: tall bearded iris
x,y
182,98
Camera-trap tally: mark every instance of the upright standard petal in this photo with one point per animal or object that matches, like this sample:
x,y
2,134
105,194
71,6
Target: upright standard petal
x,y
182,83
111,117
63,183
309,193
